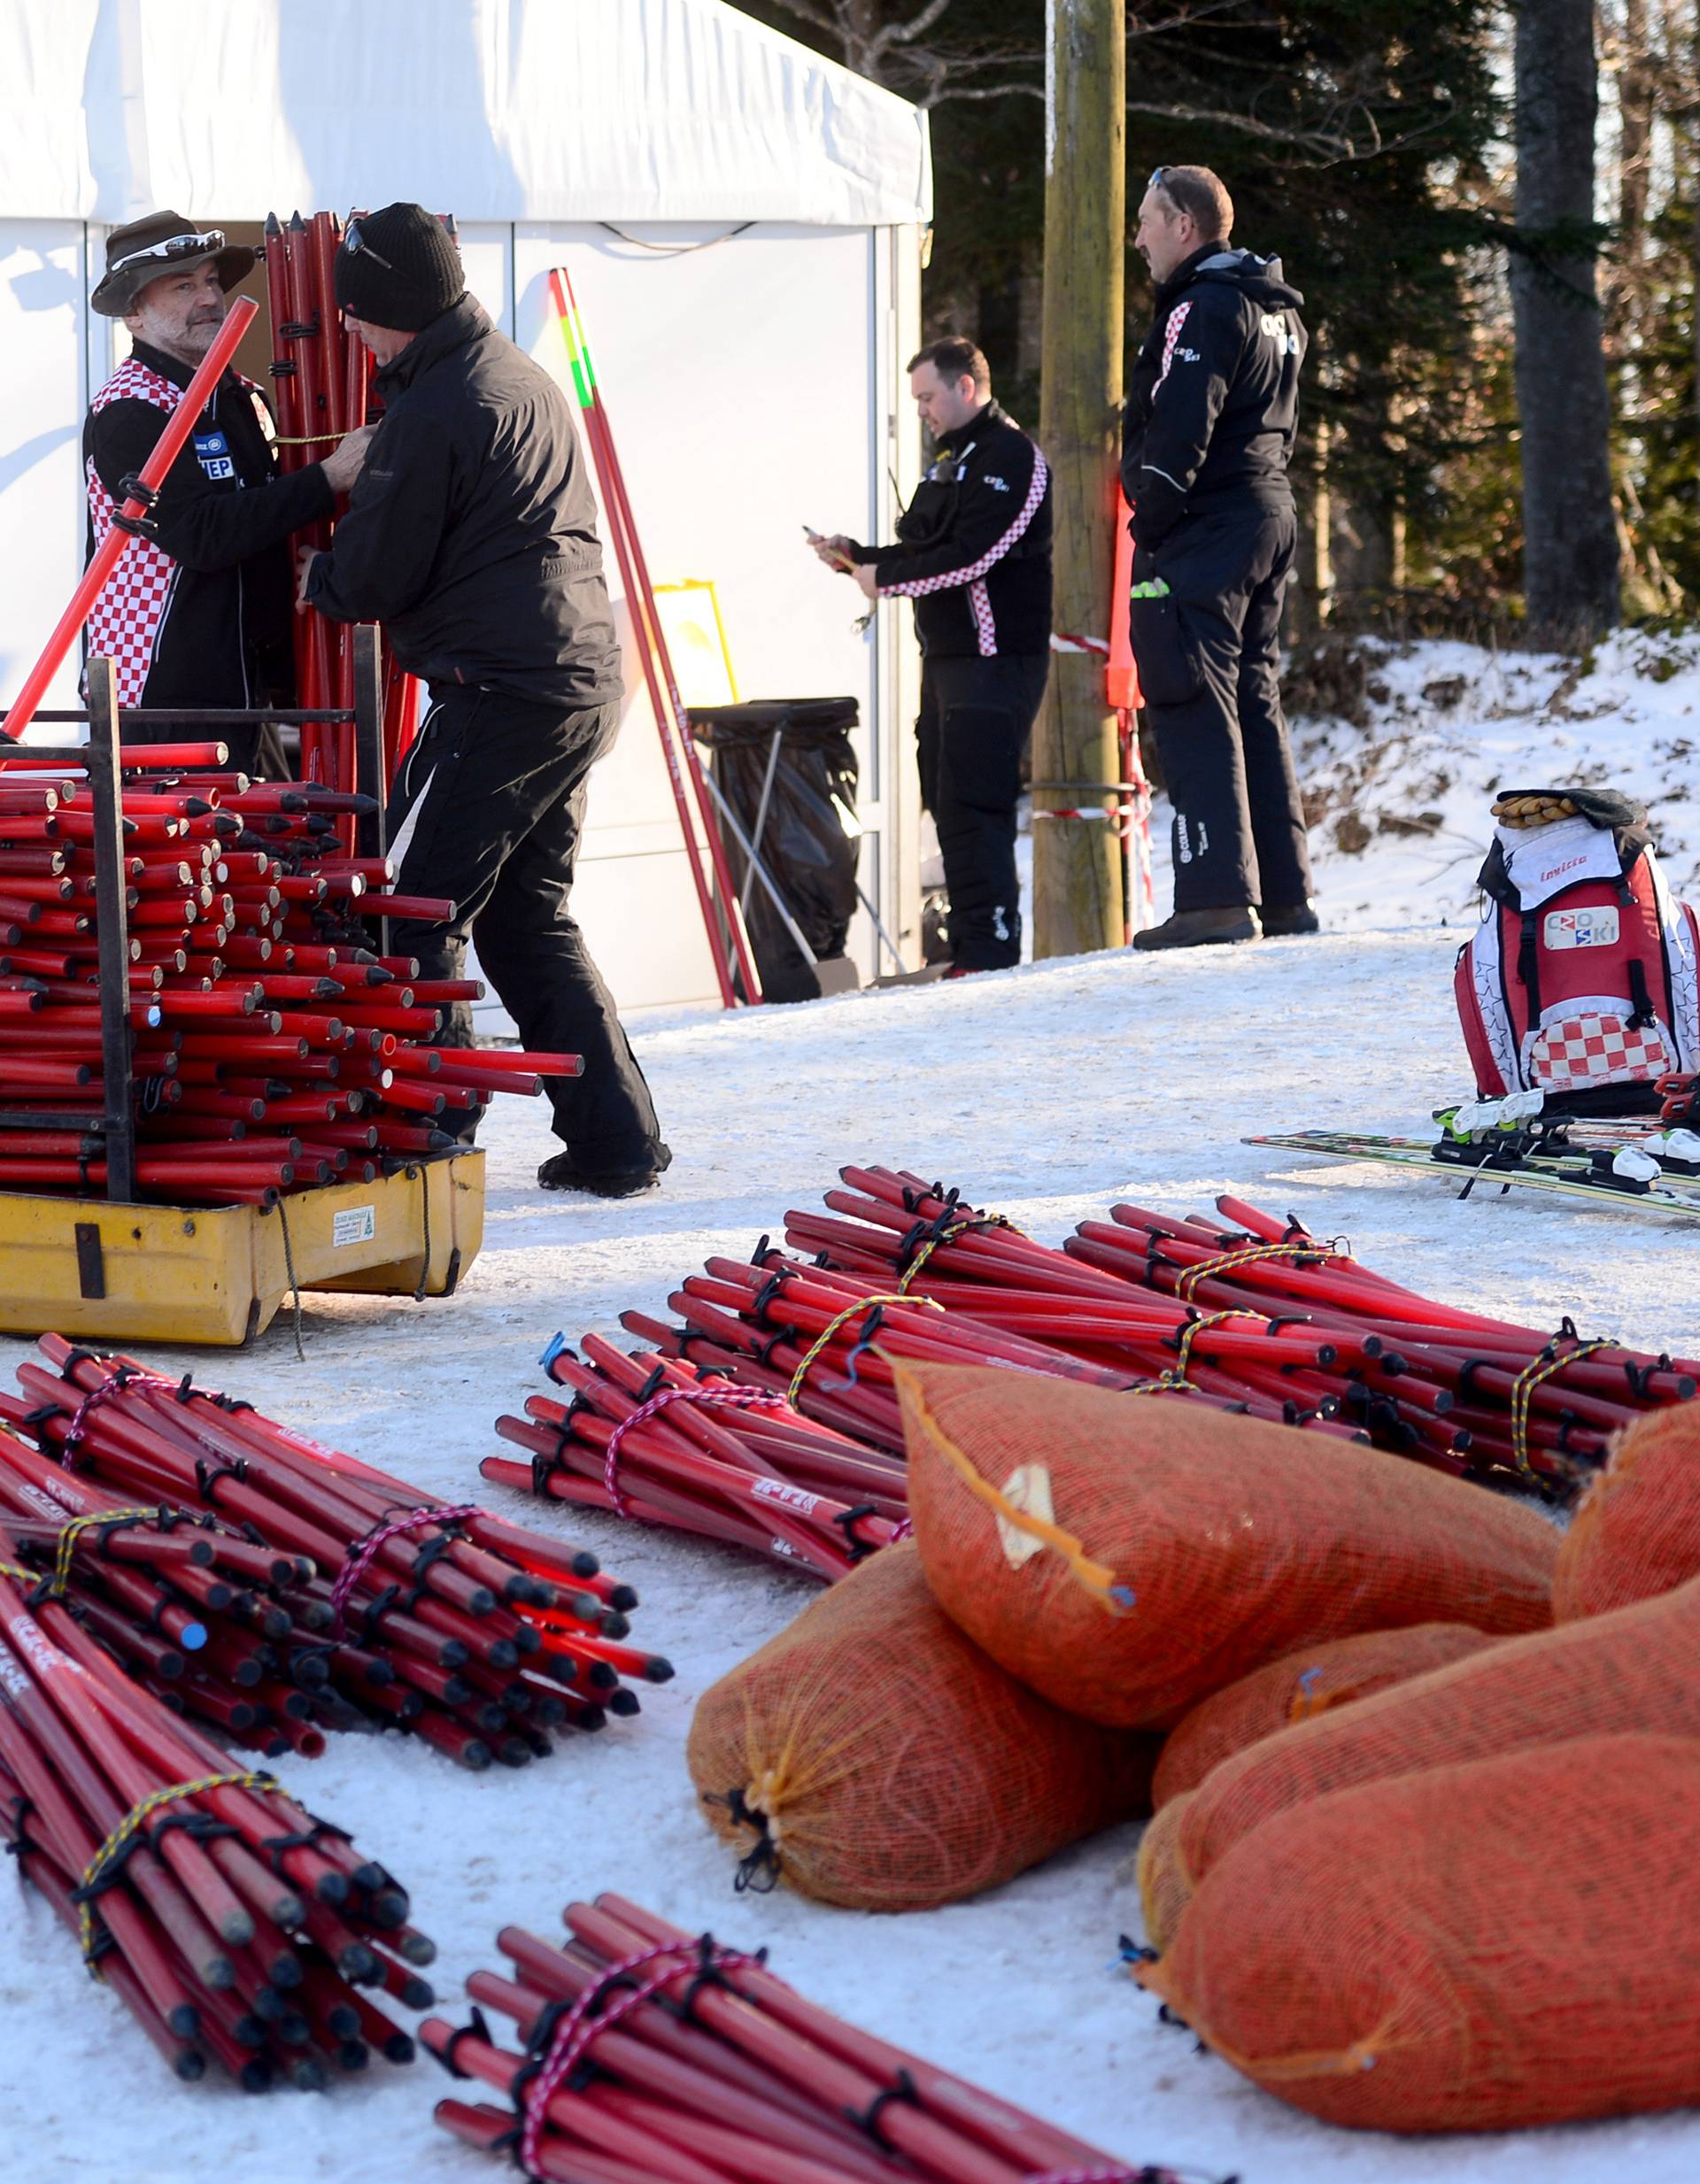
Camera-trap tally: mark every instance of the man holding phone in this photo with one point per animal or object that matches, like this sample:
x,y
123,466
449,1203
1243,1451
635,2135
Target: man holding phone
x,y
973,551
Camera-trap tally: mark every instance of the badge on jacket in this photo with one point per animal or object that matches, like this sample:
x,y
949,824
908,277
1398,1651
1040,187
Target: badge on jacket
x,y
213,453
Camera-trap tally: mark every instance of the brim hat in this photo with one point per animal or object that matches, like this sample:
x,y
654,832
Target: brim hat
x,y
161,243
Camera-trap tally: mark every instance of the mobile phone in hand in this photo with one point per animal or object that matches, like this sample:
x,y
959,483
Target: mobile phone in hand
x,y
818,538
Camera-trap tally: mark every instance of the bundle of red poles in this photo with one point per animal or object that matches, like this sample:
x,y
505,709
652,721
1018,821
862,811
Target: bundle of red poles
x,y
769,1414
320,1594
320,376
655,2057
274,1049
1456,1389
235,1929
656,1439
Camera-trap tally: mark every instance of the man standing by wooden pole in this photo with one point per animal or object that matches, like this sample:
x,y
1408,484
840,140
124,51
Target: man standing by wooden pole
x,y
1077,862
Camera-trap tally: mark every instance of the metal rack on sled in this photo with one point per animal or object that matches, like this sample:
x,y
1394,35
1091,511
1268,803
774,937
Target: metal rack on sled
x,y
118,1269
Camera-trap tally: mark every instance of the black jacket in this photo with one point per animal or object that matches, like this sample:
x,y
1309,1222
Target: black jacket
x,y
974,546
471,534
1214,401
222,635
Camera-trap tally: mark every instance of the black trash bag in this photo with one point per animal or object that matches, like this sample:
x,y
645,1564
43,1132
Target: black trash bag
x,y
803,846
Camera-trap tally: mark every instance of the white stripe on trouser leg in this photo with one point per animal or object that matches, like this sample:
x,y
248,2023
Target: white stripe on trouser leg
x,y
398,852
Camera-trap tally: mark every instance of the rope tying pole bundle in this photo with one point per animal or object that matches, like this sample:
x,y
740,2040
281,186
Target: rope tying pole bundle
x,y
652,2053
235,1929
277,1589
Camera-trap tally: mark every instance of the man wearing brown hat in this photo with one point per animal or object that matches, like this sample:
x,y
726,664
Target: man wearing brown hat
x,y
472,537
197,613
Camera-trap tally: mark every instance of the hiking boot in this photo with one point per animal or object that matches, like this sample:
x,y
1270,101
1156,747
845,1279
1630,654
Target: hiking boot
x,y
562,1172
1283,921
1203,929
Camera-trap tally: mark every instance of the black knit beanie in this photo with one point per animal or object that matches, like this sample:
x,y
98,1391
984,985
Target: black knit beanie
x,y
398,267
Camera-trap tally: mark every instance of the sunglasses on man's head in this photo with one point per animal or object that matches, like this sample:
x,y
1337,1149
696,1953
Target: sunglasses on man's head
x,y
177,246
354,243
1159,176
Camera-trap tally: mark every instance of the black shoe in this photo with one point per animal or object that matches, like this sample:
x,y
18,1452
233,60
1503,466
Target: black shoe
x,y
562,1172
1203,929
1283,921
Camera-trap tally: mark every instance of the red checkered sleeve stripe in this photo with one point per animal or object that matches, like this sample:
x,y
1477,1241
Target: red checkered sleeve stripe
x,y
947,580
125,621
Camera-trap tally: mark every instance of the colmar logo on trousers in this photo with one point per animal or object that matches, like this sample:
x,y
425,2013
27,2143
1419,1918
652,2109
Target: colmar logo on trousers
x,y
1184,850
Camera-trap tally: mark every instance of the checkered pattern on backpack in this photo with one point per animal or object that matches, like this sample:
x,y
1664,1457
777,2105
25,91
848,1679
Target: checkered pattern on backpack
x,y
1578,1051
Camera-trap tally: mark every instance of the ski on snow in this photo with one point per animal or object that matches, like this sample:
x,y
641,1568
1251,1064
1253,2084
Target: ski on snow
x,y
1577,1173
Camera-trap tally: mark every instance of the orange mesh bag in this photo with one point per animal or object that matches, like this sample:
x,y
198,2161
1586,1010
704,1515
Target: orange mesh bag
x,y
1302,1685
1637,1529
1634,1670
1392,1957
1127,1556
1165,1886
870,1756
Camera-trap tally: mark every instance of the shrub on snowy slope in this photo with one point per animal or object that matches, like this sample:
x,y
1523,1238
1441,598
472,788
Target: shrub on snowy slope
x,y
1401,747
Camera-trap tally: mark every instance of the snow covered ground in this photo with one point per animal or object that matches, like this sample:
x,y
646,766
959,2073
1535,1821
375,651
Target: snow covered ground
x,y
1047,1092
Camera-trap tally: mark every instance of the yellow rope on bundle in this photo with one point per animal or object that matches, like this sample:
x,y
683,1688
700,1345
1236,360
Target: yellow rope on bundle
x,y
1227,1260
113,1848
843,1319
1175,1382
948,1236
1538,1370
72,1531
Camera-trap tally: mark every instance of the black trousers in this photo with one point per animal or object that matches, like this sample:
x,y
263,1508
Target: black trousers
x,y
1207,658
488,810
974,719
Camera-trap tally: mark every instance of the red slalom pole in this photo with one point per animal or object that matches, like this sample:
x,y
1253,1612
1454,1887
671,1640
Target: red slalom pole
x,y
594,426
670,719
664,659
112,548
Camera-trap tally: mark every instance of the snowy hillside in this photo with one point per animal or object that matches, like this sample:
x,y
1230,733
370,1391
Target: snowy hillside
x,y
1399,769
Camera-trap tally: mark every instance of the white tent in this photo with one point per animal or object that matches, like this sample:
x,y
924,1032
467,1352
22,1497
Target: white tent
x,y
743,220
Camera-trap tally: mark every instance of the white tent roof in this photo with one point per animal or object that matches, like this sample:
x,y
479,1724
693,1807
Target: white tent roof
x,y
495,110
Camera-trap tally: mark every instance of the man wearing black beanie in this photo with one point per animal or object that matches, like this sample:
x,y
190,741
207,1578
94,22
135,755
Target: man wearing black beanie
x,y
472,538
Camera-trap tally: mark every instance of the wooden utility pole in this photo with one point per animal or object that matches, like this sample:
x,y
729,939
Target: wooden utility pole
x,y
1077,862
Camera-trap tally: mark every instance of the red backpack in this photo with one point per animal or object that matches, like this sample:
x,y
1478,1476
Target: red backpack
x,y
1584,979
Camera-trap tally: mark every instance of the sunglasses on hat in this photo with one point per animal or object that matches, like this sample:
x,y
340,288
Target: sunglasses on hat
x,y
354,243
175,246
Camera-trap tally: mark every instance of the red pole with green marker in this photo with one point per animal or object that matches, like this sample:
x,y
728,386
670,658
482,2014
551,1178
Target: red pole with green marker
x,y
671,719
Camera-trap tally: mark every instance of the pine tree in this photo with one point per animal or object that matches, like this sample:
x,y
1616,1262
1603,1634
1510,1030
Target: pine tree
x,y
1570,553
1353,136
